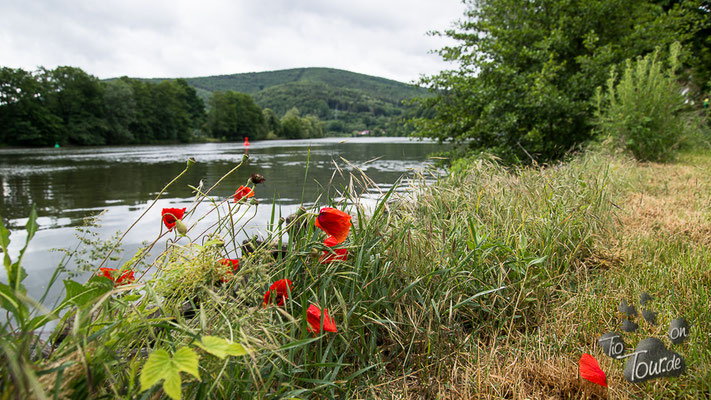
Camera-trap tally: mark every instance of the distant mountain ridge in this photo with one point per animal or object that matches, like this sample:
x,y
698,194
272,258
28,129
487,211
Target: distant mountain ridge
x,y
345,101
253,82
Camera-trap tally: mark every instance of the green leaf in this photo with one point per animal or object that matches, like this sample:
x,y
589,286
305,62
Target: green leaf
x,y
186,360
41,320
171,384
160,366
154,369
15,275
5,243
10,302
18,273
220,347
80,295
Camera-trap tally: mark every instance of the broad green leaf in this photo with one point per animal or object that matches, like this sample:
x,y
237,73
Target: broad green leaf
x,y
15,275
154,369
81,295
186,360
10,302
160,366
171,384
220,347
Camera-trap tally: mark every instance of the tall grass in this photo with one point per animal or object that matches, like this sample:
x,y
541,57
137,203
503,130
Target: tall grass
x,y
479,254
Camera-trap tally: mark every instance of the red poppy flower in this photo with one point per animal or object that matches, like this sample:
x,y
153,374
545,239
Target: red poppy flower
x,y
125,278
334,222
328,257
230,261
590,370
170,215
313,317
280,290
234,262
243,192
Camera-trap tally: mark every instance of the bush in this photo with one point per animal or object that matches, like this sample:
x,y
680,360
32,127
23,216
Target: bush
x,y
646,112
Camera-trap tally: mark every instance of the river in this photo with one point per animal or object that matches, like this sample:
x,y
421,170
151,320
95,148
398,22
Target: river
x,y
66,185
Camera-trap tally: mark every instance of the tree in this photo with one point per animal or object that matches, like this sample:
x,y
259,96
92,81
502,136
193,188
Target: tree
x,y
272,122
25,118
291,125
120,111
234,116
77,99
528,71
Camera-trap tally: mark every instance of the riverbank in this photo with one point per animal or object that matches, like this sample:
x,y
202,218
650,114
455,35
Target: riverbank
x,y
491,284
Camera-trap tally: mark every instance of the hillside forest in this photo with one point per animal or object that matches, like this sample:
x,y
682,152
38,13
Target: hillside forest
x,y
67,106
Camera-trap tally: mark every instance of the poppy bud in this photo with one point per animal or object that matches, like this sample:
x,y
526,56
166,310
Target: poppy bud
x,y
257,179
314,253
245,157
254,202
191,161
181,227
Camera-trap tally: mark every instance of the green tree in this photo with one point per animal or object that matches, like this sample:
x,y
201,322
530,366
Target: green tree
x,y
528,71
692,19
77,99
272,122
291,125
120,111
194,104
25,118
234,116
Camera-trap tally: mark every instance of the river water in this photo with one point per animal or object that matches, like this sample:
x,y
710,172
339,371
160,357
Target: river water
x,y
68,184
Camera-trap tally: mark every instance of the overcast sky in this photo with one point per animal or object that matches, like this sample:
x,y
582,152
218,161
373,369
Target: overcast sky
x,y
181,38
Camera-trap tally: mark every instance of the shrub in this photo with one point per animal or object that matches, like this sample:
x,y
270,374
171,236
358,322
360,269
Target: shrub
x,y
646,112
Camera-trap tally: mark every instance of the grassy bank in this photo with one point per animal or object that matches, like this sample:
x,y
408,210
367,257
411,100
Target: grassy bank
x,y
487,284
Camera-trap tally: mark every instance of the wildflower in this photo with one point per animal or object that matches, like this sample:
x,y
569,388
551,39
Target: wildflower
x,y
279,290
334,222
313,317
243,192
125,278
328,257
171,215
234,262
257,179
590,370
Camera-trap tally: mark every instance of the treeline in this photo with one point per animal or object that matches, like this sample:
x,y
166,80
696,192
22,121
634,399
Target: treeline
x,y
342,110
67,106
234,116
528,73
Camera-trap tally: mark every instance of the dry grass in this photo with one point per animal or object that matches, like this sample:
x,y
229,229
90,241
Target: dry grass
x,y
658,244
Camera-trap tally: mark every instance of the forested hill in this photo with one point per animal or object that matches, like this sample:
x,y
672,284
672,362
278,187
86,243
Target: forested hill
x,y
253,82
344,101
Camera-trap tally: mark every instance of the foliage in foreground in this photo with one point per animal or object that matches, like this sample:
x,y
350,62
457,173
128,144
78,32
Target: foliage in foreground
x,y
420,274
429,285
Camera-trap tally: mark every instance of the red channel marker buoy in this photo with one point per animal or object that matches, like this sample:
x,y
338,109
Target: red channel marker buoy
x,y
246,142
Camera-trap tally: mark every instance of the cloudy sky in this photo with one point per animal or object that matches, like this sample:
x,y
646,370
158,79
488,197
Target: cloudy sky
x,y
181,38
